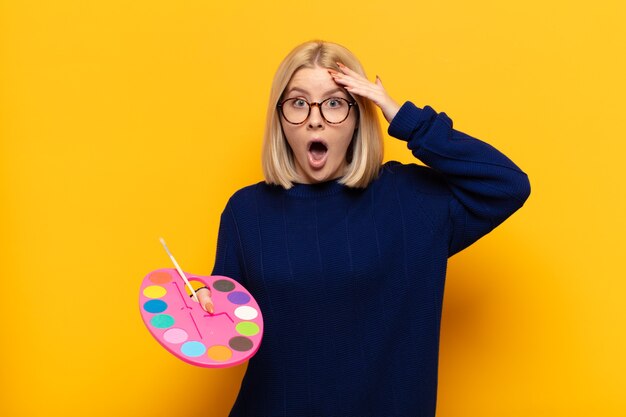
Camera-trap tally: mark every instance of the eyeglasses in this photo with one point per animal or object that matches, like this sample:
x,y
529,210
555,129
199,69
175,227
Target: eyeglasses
x,y
334,110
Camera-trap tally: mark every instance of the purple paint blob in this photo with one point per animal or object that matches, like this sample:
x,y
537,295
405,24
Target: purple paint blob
x,y
238,297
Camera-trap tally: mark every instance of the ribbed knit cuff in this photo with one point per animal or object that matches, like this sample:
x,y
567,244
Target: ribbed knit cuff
x,y
407,120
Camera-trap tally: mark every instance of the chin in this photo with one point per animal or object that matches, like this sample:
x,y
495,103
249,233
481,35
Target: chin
x,y
323,176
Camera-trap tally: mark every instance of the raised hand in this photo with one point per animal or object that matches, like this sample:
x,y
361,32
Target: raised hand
x,y
355,83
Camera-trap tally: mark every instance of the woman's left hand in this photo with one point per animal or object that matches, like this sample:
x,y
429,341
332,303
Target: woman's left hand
x,y
355,83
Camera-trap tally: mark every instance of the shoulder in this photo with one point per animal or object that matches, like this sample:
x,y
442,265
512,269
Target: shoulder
x,y
415,177
251,195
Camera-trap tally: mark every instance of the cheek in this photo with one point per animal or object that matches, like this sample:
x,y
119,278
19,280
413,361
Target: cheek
x,y
353,124
291,135
349,133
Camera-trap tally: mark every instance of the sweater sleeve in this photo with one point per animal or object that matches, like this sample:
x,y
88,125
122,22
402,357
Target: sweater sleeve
x,y
487,187
227,258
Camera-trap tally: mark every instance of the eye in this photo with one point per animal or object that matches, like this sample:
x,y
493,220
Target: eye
x,y
334,103
299,103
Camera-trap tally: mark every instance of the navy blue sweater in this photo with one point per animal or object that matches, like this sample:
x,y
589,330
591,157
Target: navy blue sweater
x,y
351,281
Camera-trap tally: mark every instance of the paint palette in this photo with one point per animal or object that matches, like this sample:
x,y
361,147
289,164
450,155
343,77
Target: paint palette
x,y
228,337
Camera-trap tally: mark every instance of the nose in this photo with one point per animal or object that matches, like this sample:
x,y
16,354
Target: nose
x,y
315,118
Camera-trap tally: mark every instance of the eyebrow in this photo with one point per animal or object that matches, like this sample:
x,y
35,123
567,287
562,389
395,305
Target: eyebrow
x,y
335,90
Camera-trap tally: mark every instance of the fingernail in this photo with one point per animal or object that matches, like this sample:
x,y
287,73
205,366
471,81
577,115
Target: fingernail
x,y
209,307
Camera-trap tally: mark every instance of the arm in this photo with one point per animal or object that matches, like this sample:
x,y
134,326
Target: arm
x,y
486,185
226,258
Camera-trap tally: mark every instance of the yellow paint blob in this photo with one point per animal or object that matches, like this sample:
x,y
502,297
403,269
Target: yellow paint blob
x,y
154,291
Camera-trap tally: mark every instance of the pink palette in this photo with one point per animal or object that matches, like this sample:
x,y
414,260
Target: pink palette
x,y
228,337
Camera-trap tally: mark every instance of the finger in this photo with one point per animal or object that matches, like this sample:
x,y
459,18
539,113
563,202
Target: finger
x,y
345,83
348,71
360,86
370,91
364,92
349,81
204,298
348,76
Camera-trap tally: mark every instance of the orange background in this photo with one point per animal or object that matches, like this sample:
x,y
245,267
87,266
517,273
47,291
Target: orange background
x,y
124,121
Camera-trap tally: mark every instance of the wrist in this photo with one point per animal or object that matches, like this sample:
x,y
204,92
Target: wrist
x,y
390,110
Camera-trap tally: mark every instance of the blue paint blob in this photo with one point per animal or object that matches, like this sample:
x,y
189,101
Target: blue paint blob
x,y
155,306
193,349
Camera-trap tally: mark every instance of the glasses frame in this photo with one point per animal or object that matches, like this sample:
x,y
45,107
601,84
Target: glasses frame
x,y
319,106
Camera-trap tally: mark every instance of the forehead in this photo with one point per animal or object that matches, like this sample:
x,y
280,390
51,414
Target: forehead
x,y
312,80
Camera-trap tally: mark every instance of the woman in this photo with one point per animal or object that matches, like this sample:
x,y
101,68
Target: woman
x,y
346,256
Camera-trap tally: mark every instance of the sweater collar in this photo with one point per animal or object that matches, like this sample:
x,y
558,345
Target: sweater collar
x,y
316,190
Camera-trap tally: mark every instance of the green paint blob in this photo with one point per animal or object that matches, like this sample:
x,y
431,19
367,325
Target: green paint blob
x,y
247,328
162,321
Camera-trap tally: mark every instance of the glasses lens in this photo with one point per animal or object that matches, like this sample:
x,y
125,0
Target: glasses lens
x,y
335,109
295,110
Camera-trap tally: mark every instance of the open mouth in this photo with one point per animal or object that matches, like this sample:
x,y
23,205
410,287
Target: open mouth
x,y
317,150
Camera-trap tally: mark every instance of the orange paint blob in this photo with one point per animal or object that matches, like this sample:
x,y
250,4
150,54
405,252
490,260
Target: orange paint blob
x,y
219,353
160,277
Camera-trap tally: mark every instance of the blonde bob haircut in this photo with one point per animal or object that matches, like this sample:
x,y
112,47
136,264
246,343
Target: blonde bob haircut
x,y
365,153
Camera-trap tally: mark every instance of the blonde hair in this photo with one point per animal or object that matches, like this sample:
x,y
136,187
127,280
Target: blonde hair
x,y
365,153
